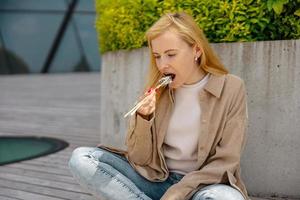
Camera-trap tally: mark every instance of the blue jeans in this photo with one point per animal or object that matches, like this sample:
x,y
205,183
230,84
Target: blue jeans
x,y
109,176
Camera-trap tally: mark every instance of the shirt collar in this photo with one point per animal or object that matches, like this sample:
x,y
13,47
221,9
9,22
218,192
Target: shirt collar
x,y
215,84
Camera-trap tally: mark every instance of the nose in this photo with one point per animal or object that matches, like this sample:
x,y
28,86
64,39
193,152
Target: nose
x,y
162,64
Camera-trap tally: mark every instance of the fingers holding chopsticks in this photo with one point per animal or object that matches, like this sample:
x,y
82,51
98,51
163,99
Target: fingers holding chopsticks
x,y
148,104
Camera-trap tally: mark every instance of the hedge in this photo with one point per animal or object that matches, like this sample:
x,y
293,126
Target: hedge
x,y
121,24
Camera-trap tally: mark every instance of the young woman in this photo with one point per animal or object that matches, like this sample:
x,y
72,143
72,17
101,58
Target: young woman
x,y
185,141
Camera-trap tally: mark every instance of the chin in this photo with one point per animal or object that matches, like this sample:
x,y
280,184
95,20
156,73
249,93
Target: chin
x,y
174,85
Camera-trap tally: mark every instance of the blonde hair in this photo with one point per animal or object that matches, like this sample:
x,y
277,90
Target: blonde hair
x,y
188,30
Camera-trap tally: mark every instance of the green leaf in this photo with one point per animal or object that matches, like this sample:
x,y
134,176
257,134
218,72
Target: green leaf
x,y
270,4
277,7
254,21
297,12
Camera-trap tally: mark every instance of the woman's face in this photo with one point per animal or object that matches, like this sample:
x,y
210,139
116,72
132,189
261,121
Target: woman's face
x,y
174,56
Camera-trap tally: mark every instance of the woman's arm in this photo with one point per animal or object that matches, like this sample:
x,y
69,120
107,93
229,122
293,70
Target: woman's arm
x,y
139,139
226,158
140,132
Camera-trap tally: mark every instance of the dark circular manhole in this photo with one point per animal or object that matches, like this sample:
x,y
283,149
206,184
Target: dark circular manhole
x,y
15,149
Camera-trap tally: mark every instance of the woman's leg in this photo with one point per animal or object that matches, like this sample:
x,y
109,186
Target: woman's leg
x,y
101,179
218,192
109,175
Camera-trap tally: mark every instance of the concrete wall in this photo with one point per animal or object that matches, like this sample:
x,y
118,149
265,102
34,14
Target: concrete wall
x,y
271,70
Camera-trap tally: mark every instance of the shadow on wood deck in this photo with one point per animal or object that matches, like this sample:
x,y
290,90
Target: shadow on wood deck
x,y
65,106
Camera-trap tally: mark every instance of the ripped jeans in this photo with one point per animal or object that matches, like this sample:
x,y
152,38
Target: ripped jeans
x,y
109,176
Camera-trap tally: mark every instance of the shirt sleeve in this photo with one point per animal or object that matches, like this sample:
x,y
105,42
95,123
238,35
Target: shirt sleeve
x,y
139,139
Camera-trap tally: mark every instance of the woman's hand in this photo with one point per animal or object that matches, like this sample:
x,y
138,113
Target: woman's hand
x,y
148,107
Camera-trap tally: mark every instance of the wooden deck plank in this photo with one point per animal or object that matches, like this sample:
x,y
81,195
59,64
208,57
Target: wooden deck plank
x,y
5,197
17,193
45,169
38,174
41,182
46,191
75,141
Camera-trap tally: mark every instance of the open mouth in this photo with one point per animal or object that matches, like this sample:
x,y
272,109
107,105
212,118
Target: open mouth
x,y
170,74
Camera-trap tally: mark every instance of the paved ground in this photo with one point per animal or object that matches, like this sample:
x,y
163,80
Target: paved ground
x,y
66,106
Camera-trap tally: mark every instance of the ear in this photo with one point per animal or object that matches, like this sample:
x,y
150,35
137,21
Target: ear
x,y
197,51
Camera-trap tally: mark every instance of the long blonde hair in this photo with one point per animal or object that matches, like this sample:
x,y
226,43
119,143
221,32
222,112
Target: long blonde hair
x,y
188,30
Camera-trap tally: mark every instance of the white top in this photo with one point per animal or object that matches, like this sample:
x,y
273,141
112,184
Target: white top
x,y
182,137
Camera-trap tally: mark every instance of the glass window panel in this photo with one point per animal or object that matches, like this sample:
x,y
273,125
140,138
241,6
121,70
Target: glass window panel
x,y
86,5
86,28
68,55
33,4
30,35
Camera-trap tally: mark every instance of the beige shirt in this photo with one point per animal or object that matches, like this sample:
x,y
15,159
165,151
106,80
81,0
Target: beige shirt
x,y
181,140
223,135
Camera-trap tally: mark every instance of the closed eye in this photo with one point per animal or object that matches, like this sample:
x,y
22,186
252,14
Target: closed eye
x,y
169,55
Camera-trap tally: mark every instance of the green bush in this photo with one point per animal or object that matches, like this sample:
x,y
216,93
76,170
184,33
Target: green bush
x,y
121,24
